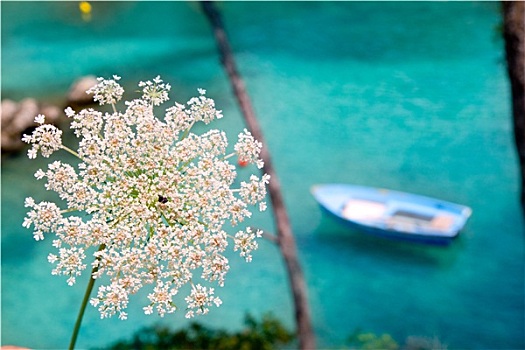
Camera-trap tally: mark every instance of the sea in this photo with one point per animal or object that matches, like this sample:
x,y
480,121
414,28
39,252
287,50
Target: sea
x,y
410,96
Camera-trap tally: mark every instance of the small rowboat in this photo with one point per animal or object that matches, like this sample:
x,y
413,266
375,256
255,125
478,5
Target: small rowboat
x,y
393,214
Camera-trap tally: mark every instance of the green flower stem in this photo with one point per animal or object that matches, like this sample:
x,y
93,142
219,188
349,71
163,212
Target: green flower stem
x,y
229,156
70,210
187,131
65,148
84,304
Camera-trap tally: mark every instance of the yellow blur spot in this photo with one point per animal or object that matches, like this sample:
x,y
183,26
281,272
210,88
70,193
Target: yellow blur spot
x,y
85,9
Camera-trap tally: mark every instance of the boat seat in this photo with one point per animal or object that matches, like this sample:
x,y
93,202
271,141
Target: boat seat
x,y
442,222
362,209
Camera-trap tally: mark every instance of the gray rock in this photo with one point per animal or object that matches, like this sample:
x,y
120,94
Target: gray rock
x,y
77,93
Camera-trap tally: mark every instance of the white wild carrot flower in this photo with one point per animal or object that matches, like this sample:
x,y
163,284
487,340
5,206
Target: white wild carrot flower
x,y
44,217
46,138
253,192
151,195
200,299
107,91
248,149
246,243
155,91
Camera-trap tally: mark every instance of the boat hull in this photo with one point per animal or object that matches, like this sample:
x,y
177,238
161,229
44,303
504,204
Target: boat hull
x,y
392,214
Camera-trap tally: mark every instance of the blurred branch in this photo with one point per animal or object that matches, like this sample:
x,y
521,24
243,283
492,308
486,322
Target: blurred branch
x,y
514,35
284,231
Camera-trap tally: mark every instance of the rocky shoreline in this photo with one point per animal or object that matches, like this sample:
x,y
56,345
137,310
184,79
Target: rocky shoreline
x,y
18,118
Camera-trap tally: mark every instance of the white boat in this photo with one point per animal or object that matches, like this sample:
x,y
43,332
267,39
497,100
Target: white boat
x,y
393,214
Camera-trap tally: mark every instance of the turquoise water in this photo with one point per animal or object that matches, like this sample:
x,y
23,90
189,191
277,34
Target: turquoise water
x,y
411,96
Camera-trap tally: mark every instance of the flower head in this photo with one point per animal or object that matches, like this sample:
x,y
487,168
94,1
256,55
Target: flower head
x,y
155,91
254,191
46,138
107,91
86,123
44,216
154,196
246,243
249,149
203,108
200,299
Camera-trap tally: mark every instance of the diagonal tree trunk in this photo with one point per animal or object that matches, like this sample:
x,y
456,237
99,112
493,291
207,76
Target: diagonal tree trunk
x,y
514,35
284,232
